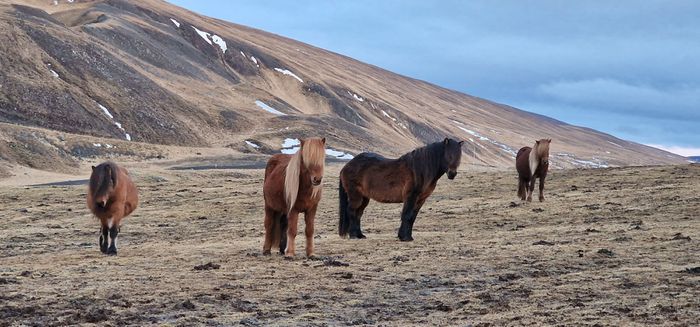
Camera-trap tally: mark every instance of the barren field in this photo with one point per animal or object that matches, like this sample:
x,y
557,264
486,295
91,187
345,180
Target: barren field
x,y
608,247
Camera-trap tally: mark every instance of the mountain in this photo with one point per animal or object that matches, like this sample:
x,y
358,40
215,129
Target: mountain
x,y
694,159
130,76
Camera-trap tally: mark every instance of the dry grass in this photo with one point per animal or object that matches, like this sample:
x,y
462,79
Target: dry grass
x,y
609,247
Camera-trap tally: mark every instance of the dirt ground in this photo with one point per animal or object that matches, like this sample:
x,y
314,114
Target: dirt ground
x,y
608,247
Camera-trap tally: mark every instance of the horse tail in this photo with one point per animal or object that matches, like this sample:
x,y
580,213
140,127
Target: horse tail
x,y
291,180
521,187
344,222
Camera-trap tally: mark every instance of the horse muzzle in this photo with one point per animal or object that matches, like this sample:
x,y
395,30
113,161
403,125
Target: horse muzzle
x,y
451,174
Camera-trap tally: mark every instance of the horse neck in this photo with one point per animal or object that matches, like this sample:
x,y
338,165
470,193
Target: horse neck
x,y
432,157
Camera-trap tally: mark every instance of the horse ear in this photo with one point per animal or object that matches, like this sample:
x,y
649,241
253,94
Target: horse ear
x,y
93,167
302,141
446,141
323,140
549,140
537,141
461,142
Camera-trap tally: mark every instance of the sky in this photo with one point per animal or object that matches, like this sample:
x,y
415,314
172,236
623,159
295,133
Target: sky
x,y
629,68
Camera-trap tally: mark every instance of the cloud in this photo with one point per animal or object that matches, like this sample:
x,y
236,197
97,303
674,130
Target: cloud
x,y
679,150
616,96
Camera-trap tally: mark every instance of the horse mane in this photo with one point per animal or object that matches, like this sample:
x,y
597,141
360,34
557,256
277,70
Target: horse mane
x,y
538,151
312,152
101,177
426,162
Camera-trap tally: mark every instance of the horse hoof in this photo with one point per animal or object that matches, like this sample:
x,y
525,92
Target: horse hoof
x,y
111,253
289,257
405,239
267,252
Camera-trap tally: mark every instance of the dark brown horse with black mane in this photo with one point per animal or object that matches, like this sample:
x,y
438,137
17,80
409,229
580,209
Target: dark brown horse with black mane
x,y
409,179
532,163
293,185
111,197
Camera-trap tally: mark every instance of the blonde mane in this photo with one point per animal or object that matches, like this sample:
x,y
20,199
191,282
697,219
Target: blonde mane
x,y
312,153
539,150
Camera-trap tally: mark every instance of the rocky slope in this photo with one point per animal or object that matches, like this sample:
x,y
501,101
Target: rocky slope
x,y
151,72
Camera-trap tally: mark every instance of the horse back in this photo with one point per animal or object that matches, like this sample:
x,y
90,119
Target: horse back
x,y
376,177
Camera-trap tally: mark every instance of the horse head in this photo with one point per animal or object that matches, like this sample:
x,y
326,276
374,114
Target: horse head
x,y
106,180
453,155
314,157
542,150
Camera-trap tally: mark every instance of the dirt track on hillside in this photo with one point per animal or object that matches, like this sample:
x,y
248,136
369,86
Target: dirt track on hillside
x,y
609,247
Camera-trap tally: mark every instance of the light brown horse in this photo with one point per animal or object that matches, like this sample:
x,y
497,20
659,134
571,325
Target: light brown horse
x,y
111,197
409,179
292,186
532,163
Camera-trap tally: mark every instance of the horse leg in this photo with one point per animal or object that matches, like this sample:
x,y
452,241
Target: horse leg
x,y
269,225
358,218
531,189
309,218
356,201
292,220
542,189
416,209
407,216
282,232
113,233
104,236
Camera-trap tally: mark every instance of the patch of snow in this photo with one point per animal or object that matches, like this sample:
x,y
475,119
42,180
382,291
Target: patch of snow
x,y
119,125
97,145
288,73
357,97
339,154
218,40
373,106
70,1
55,74
290,146
269,109
386,114
55,2
473,133
255,61
106,111
243,54
203,34
615,144
252,144
175,22
108,146
595,163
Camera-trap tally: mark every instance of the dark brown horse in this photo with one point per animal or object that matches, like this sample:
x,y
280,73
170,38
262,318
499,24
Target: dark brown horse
x,y
111,197
409,179
292,186
532,163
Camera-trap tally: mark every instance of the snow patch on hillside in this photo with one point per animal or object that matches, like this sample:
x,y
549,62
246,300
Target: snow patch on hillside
x,y
219,41
119,125
357,97
289,73
254,61
252,144
203,34
175,22
291,146
55,74
269,109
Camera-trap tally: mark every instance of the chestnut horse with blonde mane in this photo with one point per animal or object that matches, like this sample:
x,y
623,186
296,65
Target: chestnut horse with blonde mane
x,y
532,163
292,186
111,197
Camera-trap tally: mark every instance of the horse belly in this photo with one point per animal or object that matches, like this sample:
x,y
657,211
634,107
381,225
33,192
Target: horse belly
x,y
386,192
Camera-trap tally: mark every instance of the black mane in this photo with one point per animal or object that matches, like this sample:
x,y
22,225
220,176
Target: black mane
x,y
100,179
427,162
